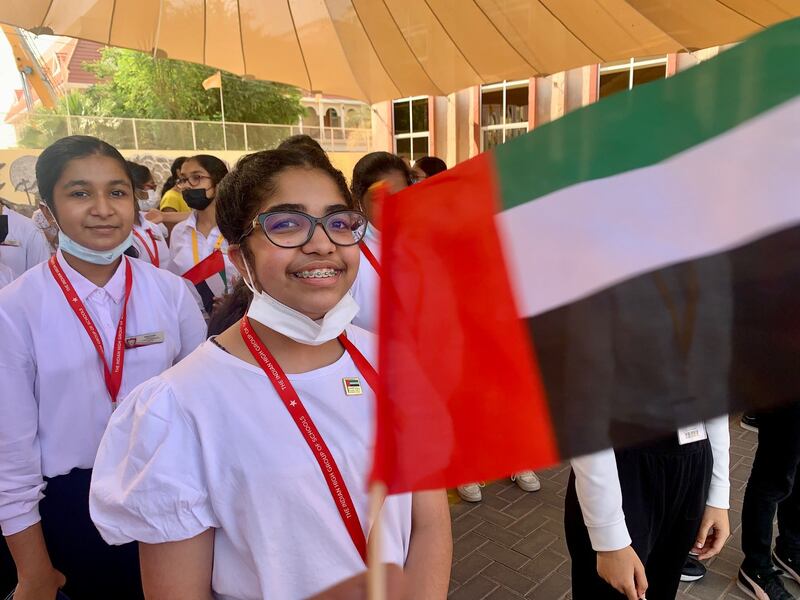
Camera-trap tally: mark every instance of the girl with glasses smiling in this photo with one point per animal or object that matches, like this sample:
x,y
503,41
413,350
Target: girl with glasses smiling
x,y
252,455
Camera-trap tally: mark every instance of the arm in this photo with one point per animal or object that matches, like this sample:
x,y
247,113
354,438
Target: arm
x,y
178,570
427,569
600,497
35,573
715,526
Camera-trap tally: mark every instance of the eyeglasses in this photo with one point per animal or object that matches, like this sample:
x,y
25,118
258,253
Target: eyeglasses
x,y
195,179
292,229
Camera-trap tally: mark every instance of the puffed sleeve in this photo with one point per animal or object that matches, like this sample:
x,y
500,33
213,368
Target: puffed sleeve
x,y
148,482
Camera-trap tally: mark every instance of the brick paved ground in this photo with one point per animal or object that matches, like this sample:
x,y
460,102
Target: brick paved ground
x,y
512,545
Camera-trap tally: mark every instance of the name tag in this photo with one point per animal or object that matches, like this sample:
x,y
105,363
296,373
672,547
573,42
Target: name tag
x,y
145,339
352,386
693,433
8,242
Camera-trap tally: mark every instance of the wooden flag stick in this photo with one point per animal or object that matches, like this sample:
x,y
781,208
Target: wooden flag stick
x,y
376,571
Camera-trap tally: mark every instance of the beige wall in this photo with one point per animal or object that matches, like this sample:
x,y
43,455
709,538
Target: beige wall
x,y
18,178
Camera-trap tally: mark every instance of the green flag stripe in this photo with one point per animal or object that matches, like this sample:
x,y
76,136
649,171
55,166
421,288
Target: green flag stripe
x,y
655,121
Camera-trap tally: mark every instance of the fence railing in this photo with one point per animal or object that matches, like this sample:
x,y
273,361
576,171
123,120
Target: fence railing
x,y
39,131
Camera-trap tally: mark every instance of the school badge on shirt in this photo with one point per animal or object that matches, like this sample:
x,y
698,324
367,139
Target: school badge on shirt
x,y
352,386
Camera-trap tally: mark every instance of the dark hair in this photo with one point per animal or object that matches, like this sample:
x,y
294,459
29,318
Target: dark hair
x,y
239,199
370,169
306,144
174,169
431,165
53,160
216,168
139,173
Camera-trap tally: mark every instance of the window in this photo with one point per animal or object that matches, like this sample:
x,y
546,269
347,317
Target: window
x,y
504,112
332,118
621,76
411,127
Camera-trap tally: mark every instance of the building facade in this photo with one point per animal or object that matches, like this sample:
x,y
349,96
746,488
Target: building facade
x,y
463,124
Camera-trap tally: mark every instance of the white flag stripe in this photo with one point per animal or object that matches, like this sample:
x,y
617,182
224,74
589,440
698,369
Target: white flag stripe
x,y
730,190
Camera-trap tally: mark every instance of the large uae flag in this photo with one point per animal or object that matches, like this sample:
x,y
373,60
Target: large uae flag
x,y
629,269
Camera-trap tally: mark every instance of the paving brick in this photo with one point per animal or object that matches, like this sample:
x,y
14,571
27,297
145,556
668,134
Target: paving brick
x,y
553,588
508,578
543,565
497,534
464,525
502,593
468,544
529,523
711,587
468,568
487,513
476,588
503,555
523,505
535,543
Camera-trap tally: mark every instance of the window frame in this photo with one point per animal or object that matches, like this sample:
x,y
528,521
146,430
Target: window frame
x,y
411,135
504,126
630,66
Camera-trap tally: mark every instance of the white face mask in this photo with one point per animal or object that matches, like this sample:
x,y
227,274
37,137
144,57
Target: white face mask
x,y
152,201
295,325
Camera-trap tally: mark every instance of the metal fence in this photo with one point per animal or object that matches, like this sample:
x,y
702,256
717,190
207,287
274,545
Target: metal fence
x,y
39,131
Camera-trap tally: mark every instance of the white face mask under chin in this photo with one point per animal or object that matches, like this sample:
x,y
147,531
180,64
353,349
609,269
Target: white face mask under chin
x,y
295,325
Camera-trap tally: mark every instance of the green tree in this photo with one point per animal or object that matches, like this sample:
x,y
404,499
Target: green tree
x,y
133,84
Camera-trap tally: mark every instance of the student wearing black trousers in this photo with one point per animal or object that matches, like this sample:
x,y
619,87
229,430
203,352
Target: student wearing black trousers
x,y
773,487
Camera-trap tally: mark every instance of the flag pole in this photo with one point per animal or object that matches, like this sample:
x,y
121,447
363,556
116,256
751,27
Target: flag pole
x,y
376,570
222,108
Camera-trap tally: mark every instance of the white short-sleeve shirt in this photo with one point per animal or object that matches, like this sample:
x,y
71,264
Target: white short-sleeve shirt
x,y
183,256
210,444
25,245
366,287
54,404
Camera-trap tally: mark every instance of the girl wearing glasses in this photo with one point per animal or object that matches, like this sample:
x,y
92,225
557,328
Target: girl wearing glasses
x,y
252,455
78,333
198,239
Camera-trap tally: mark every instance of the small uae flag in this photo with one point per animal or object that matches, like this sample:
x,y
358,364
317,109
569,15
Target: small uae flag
x,y
215,81
212,265
629,269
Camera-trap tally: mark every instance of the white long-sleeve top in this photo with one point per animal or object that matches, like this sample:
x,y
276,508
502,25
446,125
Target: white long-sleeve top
x,y
25,245
210,444
600,495
54,405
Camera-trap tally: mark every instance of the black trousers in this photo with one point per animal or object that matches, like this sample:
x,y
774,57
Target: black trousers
x,y
94,570
664,491
773,485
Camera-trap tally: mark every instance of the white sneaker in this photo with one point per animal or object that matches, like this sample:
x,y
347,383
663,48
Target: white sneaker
x,y
470,492
527,481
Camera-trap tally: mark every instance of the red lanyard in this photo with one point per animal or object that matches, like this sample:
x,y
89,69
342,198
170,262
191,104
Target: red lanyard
x,y
309,431
370,257
112,376
154,254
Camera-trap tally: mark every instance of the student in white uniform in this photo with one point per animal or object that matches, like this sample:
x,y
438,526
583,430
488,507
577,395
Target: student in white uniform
x,y
149,239
78,333
632,515
196,238
24,246
223,460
